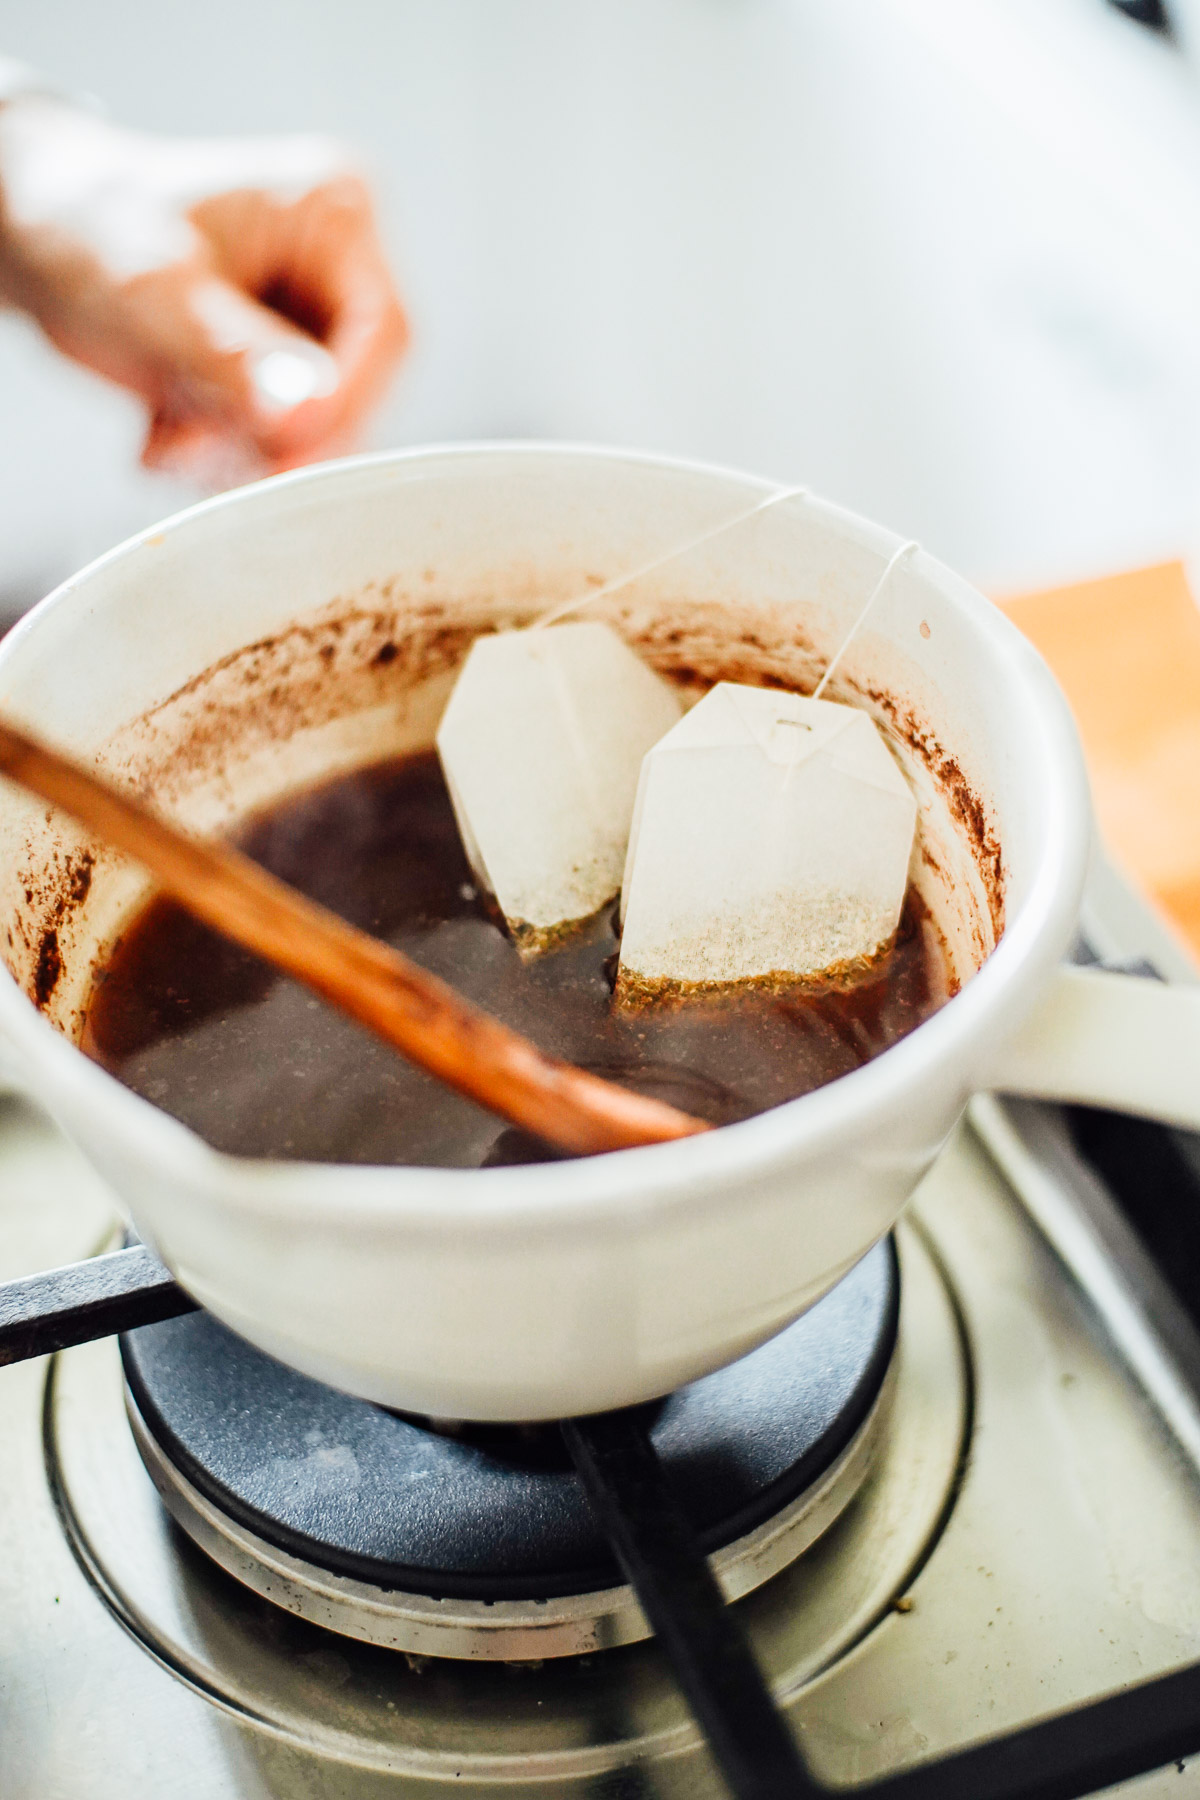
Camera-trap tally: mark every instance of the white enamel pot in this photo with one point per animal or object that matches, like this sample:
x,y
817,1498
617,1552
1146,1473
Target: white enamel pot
x,y
312,623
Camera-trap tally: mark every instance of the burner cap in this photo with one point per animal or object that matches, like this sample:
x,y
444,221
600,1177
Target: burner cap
x,y
365,1493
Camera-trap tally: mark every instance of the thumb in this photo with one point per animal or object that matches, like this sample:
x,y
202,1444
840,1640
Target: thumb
x,y
233,369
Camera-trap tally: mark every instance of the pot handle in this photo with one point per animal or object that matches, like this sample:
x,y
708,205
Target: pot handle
x,y
1118,1041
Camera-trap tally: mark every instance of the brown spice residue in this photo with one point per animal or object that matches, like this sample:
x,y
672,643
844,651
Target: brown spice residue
x,y
79,876
52,894
696,647
304,676
48,967
964,803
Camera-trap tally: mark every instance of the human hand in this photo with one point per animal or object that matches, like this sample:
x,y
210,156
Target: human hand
x,y
237,285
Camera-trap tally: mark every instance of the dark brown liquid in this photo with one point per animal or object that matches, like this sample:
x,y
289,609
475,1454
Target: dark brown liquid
x,y
259,1067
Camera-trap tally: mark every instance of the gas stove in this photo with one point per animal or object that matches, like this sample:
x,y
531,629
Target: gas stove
x,y
961,1497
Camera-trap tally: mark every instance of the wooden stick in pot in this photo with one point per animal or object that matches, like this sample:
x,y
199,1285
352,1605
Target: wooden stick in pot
x,y
413,1011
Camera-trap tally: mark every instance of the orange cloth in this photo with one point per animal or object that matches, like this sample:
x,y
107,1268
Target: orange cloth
x,y
1127,653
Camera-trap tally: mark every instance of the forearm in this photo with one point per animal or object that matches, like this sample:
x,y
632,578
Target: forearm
x,y
26,95
18,81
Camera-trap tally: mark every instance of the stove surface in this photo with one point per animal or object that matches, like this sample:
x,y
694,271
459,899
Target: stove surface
x,y
1027,1537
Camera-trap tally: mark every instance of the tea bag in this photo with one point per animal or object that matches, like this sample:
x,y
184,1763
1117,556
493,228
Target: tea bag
x,y
541,745
770,842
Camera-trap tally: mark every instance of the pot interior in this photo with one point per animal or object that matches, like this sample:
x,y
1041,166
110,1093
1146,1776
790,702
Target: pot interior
x,y
305,628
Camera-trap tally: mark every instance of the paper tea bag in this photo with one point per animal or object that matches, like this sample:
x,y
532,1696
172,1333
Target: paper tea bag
x,y
770,842
541,745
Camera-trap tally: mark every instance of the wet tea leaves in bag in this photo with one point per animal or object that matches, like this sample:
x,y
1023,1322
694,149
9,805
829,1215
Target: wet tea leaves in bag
x,y
541,745
770,842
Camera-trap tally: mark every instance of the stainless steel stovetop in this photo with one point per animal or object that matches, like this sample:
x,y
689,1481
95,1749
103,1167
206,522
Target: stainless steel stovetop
x,y
1028,1537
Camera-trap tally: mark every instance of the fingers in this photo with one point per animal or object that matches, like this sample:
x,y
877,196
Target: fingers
x,y
317,262
215,367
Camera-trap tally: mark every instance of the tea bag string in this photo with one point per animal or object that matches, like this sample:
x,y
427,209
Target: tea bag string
x,y
896,557
658,562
